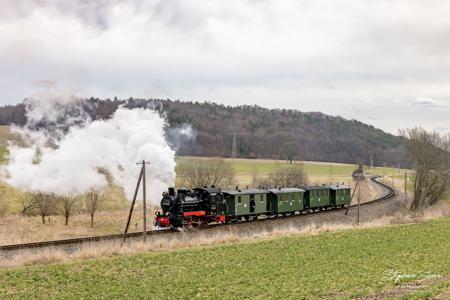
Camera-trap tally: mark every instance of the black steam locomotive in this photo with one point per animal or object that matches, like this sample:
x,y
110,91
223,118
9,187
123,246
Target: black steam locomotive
x,y
198,206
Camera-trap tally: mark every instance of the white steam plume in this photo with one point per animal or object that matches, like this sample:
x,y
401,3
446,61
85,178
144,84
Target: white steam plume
x,y
180,135
68,153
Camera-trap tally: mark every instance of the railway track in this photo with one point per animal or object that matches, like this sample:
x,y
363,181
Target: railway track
x,y
77,241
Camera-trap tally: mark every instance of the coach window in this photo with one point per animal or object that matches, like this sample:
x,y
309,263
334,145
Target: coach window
x,y
239,199
261,198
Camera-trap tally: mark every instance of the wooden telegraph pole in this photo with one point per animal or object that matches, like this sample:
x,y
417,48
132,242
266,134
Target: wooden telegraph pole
x,y
359,198
351,198
358,176
144,202
406,181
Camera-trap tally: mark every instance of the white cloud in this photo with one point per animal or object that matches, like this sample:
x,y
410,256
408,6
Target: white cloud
x,y
428,102
273,53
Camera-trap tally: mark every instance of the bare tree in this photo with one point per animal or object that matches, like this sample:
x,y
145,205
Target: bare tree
x,y
4,205
290,151
66,206
285,176
92,202
29,206
40,204
205,172
431,155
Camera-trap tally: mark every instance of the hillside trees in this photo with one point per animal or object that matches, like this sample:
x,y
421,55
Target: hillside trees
x,y
260,132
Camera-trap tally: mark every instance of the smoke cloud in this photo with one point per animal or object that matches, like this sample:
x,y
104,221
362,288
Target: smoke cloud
x,y
67,153
180,135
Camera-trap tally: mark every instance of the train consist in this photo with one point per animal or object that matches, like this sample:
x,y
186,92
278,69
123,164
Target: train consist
x,y
202,206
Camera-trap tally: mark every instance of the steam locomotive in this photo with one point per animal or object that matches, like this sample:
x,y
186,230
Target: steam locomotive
x,y
202,206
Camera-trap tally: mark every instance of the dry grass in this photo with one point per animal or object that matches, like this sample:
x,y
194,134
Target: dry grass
x,y
19,229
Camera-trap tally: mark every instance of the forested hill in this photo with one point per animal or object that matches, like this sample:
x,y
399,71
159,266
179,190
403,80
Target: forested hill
x,y
259,132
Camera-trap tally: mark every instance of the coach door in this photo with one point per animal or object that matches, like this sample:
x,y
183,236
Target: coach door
x,y
268,202
252,203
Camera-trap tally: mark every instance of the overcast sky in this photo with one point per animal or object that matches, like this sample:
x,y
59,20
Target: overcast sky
x,y
386,63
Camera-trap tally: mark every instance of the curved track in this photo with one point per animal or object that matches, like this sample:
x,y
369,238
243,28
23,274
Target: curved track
x,y
74,241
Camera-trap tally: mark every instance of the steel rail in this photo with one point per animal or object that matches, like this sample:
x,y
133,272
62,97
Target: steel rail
x,y
74,241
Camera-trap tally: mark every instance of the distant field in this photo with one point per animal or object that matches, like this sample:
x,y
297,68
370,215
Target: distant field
x,y
342,265
318,172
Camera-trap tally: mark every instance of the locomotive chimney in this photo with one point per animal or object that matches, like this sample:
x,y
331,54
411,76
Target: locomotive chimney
x,y
172,191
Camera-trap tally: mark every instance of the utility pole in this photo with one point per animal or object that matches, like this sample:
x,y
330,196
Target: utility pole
x,y
353,194
331,173
359,202
144,202
371,153
234,146
132,205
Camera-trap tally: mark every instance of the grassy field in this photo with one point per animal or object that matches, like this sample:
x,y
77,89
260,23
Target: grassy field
x,y
345,265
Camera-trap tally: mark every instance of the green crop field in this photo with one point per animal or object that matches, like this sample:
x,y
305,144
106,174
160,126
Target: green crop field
x,y
343,265
317,170
265,166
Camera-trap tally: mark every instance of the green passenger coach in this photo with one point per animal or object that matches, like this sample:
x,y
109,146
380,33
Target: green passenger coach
x,y
246,202
317,196
340,195
286,200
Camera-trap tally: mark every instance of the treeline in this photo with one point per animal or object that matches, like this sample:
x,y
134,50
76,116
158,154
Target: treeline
x,y
46,205
256,132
